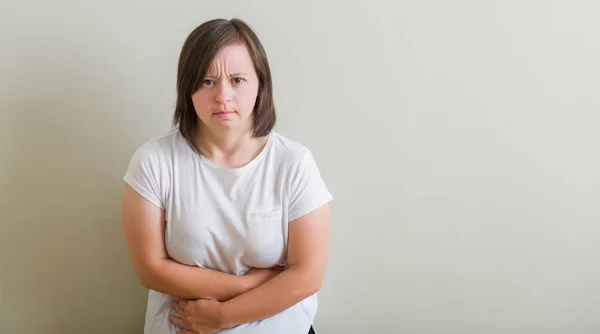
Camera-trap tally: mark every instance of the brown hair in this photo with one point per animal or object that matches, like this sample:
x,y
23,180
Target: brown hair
x,y
197,53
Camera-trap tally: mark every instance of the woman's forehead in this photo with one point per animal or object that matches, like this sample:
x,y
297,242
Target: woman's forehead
x,y
233,59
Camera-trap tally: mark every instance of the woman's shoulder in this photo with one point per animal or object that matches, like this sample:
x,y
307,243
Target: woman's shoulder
x,y
288,149
291,152
160,149
164,144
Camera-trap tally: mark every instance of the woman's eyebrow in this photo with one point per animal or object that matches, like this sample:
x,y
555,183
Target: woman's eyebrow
x,y
236,74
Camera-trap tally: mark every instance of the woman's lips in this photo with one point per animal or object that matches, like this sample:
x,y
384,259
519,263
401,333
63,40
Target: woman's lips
x,y
224,114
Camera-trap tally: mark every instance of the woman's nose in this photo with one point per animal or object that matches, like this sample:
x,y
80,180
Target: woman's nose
x,y
224,93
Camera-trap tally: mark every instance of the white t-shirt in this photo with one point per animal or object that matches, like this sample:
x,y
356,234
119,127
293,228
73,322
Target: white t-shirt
x,y
228,219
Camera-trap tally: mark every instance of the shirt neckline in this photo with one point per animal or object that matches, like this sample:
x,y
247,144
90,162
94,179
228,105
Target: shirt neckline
x,y
240,169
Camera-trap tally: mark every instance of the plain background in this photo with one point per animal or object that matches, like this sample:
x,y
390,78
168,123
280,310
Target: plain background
x,y
460,139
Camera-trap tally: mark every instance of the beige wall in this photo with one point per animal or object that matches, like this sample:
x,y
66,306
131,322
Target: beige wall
x,y
460,139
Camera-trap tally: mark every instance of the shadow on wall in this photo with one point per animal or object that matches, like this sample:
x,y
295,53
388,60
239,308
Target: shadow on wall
x,y
65,263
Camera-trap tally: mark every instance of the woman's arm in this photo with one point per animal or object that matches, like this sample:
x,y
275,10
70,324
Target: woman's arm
x,y
144,224
307,260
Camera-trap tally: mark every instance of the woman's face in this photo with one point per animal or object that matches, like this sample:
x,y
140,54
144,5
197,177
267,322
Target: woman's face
x,y
226,98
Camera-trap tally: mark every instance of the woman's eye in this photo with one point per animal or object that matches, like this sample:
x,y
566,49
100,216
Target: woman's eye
x,y
238,80
208,82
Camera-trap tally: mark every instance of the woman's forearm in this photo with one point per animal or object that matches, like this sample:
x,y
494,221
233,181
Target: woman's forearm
x,y
272,297
191,282
187,282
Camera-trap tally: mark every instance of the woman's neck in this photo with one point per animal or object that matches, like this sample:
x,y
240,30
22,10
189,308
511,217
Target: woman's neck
x,y
230,149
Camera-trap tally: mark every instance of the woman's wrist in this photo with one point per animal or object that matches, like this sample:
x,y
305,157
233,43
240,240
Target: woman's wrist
x,y
226,319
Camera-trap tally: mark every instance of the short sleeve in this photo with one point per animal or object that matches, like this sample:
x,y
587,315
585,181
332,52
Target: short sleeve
x,y
143,174
308,189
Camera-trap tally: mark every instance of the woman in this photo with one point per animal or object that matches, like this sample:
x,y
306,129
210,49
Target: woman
x,y
227,221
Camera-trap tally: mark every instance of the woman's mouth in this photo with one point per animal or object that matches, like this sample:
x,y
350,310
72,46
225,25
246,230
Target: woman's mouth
x,y
224,113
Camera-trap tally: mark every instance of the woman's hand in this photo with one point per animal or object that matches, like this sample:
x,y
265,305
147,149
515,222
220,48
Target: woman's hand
x,y
200,316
